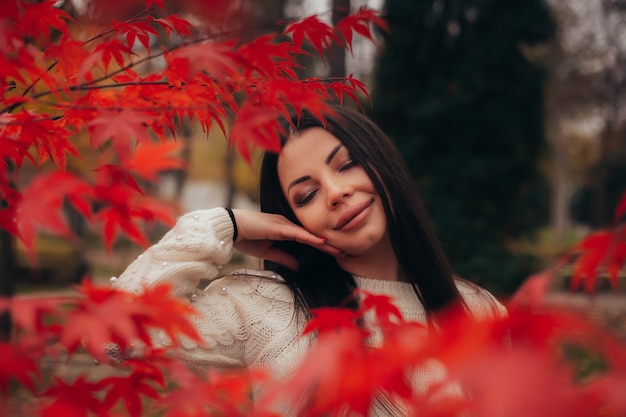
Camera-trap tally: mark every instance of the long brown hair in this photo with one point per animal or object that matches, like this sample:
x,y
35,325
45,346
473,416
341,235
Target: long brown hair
x,y
320,281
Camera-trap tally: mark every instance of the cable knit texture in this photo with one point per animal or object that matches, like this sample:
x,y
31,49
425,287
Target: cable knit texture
x,y
248,317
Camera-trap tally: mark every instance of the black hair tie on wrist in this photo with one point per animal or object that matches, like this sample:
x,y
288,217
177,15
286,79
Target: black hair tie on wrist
x,y
232,218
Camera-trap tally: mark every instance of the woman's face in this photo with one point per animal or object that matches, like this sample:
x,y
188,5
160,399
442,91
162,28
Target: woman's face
x,y
330,194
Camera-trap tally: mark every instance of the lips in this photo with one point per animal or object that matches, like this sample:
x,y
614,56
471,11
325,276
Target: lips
x,y
351,213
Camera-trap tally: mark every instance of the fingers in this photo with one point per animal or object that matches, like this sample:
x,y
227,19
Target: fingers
x,y
300,235
264,227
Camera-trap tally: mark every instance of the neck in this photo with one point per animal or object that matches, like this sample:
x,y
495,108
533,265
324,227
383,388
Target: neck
x,y
379,262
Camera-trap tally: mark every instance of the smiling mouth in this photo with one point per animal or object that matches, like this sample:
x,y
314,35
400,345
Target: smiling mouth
x,y
351,213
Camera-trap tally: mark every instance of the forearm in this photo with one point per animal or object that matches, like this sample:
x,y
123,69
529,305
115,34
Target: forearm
x,y
195,248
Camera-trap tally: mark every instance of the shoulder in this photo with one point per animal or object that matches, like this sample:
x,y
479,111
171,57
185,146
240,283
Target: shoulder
x,y
251,284
480,302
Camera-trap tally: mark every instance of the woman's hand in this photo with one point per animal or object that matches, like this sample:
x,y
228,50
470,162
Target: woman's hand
x,y
257,233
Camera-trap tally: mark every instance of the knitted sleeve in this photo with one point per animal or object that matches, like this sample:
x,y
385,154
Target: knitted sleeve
x,y
195,248
246,317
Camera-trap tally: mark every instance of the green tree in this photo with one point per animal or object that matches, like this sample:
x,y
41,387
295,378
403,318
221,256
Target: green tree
x,y
455,90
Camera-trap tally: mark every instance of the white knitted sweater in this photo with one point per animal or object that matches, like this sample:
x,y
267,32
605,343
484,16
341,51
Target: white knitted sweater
x,y
247,319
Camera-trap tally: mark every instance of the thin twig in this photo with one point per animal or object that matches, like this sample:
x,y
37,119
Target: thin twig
x,y
98,87
149,57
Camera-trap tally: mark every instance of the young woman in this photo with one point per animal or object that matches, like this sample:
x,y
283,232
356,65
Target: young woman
x,y
338,212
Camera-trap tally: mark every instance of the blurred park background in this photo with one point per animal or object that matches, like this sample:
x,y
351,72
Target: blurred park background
x,y
508,112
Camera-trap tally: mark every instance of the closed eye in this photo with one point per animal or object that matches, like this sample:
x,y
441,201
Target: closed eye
x,y
306,199
348,165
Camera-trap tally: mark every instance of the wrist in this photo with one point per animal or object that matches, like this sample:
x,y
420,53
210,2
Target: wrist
x,y
234,221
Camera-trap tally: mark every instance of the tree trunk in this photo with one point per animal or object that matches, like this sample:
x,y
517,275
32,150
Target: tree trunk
x,y
337,59
229,167
7,279
560,188
600,213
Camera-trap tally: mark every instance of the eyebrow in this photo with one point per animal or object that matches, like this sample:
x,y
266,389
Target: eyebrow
x,y
328,160
332,153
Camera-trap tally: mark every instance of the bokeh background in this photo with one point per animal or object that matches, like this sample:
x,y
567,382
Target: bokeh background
x,y
508,112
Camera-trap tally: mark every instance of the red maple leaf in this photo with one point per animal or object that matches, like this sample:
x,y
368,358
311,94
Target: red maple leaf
x,y
41,205
342,89
267,58
135,30
152,86
115,174
149,159
255,126
546,385
382,306
349,87
331,319
70,56
216,58
595,251
123,208
218,392
131,388
360,23
318,33
102,317
37,19
79,398
120,127
532,292
173,23
357,85
113,49
105,315
339,374
19,364
278,94
159,309
616,262
38,316
538,389
46,135
12,149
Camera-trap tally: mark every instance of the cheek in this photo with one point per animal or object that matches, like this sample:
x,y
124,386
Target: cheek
x,y
312,220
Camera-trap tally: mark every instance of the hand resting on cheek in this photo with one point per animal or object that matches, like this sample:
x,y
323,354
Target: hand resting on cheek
x,y
257,233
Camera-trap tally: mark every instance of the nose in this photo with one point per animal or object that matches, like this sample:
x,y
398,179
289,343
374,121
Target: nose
x,y
337,192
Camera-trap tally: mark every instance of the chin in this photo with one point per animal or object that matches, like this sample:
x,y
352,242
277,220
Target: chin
x,y
356,250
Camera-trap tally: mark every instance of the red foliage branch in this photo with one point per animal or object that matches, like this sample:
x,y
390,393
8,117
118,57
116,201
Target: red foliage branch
x,y
601,254
57,88
516,364
89,321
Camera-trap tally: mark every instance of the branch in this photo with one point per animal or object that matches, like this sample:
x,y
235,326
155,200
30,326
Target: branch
x,y
89,85
113,108
51,66
152,108
216,36
38,119
103,86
